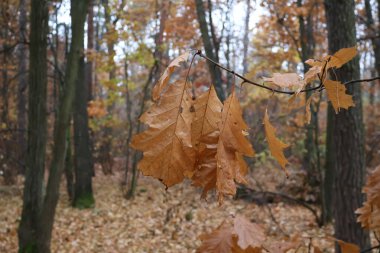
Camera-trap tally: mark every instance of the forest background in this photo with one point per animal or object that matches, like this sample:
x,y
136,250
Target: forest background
x,y
76,77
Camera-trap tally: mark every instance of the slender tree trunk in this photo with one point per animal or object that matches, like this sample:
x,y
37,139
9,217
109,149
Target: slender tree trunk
x,y
346,136
246,37
311,157
69,166
21,89
83,197
78,16
375,40
216,74
37,129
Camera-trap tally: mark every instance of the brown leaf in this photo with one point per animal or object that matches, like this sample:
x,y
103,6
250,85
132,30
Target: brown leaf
x,y
276,146
369,213
232,143
336,93
312,74
341,57
165,78
218,241
168,153
205,136
307,110
286,80
248,233
346,247
283,247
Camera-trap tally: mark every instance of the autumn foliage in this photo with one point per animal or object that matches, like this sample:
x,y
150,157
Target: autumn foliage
x,y
204,140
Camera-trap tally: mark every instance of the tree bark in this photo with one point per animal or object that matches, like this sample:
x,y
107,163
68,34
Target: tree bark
x,y
375,40
346,130
37,129
83,197
21,89
78,16
216,74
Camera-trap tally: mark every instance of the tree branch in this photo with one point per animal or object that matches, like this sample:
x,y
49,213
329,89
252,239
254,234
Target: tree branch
x,y
245,80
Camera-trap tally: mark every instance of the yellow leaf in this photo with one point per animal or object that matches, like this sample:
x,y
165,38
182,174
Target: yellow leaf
x,y
336,93
168,153
276,146
165,78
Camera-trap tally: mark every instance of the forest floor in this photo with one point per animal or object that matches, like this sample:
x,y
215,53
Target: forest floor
x,y
158,220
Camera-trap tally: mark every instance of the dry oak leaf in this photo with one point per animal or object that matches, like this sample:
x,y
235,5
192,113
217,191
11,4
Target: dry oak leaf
x,y
236,235
249,234
231,144
165,78
205,136
286,80
341,57
336,60
336,93
307,109
276,146
166,144
218,241
346,247
369,213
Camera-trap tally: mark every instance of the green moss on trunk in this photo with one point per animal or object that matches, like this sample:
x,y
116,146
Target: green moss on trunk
x,y
84,201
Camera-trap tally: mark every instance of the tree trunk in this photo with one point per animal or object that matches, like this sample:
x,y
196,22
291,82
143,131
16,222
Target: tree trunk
x,y
375,40
22,84
311,157
69,166
216,74
83,197
37,130
246,37
346,130
78,16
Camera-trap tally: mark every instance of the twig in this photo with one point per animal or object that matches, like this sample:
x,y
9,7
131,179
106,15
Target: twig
x,y
286,197
245,80
370,249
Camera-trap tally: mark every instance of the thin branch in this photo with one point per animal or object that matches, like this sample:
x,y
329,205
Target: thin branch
x,y
370,249
245,80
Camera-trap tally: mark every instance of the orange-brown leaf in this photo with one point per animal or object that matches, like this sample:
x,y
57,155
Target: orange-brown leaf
x,y
342,56
276,146
232,143
168,153
346,247
165,78
336,93
369,213
205,135
307,110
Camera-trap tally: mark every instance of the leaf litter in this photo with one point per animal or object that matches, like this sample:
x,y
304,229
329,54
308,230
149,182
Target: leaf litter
x,y
156,220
